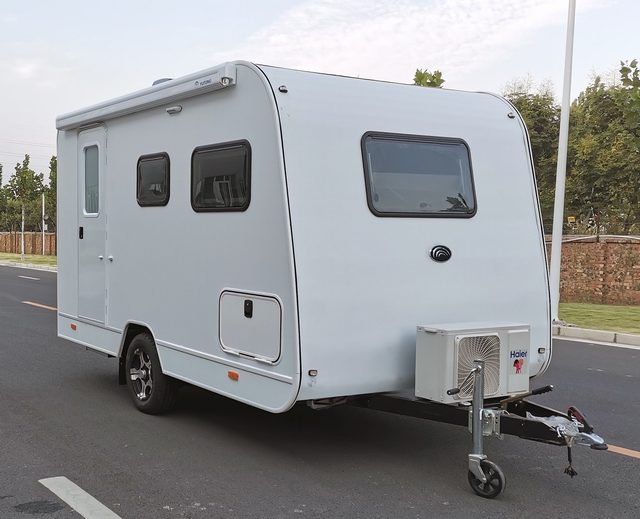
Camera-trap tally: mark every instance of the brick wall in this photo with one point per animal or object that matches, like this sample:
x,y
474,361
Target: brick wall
x,y
10,242
604,272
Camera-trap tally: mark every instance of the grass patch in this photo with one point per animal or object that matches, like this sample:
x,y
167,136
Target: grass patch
x,y
33,259
602,317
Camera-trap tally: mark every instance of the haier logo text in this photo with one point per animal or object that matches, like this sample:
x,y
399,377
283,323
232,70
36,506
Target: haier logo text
x,y
518,354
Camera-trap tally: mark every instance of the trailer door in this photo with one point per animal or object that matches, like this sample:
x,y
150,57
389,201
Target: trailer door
x,y
91,224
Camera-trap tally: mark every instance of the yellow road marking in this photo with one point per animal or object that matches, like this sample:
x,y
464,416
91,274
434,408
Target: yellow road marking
x,y
624,452
38,305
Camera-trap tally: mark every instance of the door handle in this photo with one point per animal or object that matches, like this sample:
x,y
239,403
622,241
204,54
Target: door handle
x,y
110,258
101,257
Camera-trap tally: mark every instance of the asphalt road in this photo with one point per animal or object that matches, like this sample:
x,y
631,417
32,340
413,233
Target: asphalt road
x,y
63,414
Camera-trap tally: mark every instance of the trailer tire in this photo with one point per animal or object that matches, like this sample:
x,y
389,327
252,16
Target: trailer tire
x,y
496,482
152,391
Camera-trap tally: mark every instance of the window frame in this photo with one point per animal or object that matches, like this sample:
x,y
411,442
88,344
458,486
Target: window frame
x,y
86,146
422,139
247,171
152,156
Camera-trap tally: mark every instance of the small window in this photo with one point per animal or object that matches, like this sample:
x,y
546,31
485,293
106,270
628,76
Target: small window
x,y
91,180
410,175
220,177
153,180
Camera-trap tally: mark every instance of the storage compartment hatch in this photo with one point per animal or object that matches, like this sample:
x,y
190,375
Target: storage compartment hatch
x,y
250,325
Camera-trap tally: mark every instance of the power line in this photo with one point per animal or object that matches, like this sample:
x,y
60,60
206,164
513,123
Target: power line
x,y
28,143
23,154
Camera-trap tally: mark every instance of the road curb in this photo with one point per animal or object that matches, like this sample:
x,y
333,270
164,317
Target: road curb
x,y
572,332
30,266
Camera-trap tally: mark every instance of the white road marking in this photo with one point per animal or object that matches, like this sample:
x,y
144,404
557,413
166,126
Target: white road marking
x,y
85,504
29,277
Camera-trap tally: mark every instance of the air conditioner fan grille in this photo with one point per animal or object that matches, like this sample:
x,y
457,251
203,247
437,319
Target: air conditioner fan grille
x,y
481,347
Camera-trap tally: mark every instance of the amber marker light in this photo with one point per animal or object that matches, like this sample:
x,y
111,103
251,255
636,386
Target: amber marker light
x,y
233,375
74,326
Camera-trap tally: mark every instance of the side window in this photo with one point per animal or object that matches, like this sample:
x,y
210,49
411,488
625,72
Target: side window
x,y
411,175
153,180
221,177
91,180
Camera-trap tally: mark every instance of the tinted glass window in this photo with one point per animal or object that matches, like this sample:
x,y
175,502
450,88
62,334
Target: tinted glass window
x,y
153,180
417,176
91,180
220,177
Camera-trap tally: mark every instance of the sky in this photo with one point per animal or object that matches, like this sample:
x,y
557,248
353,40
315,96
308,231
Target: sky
x,y
57,57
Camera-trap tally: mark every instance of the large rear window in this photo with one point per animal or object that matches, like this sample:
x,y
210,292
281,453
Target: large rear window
x,y
409,175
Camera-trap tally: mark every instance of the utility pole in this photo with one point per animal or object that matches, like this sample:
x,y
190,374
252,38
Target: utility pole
x,y
561,171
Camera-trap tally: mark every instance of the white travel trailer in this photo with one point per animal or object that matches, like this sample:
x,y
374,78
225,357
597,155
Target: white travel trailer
x,y
278,236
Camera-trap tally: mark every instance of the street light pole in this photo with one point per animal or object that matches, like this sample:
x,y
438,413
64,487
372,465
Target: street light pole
x,y
561,171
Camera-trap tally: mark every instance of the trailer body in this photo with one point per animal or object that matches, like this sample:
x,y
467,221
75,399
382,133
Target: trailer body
x,y
283,234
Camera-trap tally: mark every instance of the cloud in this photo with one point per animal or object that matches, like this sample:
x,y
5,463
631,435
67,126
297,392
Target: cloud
x,y
38,68
26,69
389,39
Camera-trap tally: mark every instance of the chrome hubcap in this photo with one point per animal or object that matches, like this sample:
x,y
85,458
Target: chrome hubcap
x,y
140,374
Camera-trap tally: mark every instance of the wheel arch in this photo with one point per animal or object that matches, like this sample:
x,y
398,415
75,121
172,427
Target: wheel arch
x,y
131,330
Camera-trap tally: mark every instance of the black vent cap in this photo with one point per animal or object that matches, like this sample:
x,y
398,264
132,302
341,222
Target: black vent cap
x,y
440,253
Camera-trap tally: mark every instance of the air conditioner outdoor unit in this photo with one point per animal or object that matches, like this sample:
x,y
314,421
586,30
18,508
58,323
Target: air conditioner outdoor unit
x,y
445,355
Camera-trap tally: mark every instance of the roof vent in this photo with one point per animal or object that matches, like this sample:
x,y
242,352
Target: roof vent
x,y
161,80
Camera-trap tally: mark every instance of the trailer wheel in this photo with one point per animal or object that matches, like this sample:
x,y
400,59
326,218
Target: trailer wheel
x,y
495,484
152,392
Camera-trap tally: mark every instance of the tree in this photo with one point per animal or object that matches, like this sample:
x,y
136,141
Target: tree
x,y
603,178
630,95
428,79
3,202
542,117
3,197
629,99
24,186
9,211
50,195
